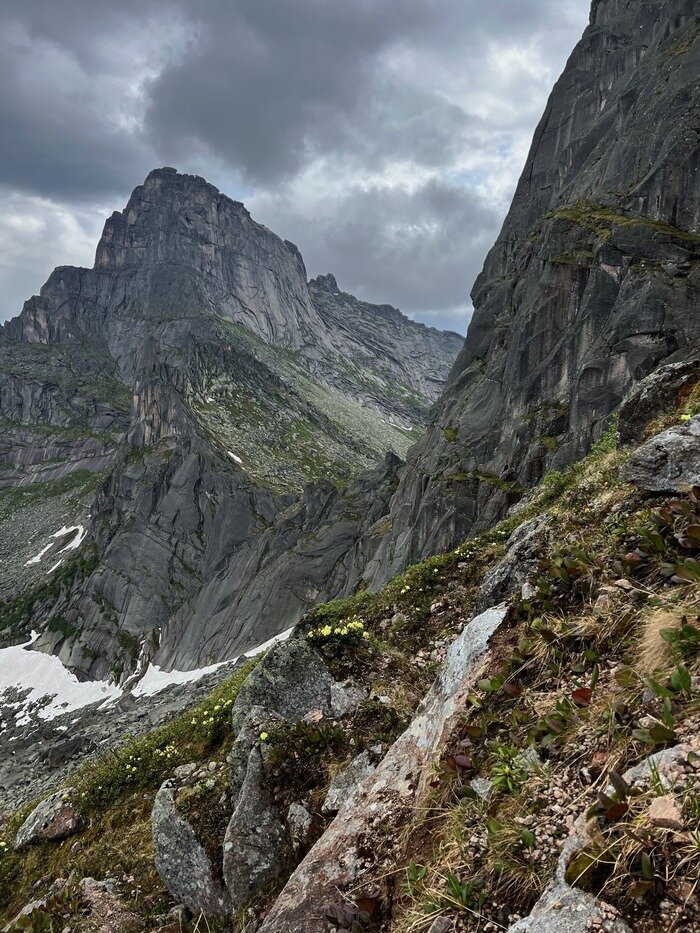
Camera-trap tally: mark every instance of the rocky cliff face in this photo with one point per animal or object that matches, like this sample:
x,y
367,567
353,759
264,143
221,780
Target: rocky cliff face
x,y
177,400
592,283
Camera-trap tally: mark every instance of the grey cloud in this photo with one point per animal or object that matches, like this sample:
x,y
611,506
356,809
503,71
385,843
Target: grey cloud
x,y
419,249
355,98
268,86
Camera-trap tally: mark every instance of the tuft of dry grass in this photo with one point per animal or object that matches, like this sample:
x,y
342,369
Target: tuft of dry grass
x,y
653,653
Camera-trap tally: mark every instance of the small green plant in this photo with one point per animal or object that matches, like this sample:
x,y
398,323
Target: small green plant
x,y
465,895
508,773
685,640
415,878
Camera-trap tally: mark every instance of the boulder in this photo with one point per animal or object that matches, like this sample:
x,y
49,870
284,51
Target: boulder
x,y
257,720
515,568
669,462
292,680
256,847
181,859
54,818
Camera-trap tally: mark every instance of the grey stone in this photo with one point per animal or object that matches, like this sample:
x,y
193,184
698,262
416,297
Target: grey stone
x,y
562,909
181,860
669,462
513,570
291,680
299,823
661,763
482,786
256,846
346,783
442,925
54,818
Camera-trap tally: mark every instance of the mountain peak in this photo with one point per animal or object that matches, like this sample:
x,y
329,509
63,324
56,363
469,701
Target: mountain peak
x,y
325,283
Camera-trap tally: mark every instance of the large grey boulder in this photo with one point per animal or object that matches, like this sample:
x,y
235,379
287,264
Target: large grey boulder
x,y
54,818
256,845
290,680
181,859
516,566
669,462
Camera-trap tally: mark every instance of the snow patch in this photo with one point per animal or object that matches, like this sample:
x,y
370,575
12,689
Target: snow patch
x,y
234,457
37,557
156,679
71,546
45,678
76,542
43,675
57,564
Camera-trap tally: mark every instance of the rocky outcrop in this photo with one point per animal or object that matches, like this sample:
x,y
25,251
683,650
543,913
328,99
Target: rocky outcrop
x,y
592,283
256,844
514,570
182,861
346,783
659,394
669,462
388,794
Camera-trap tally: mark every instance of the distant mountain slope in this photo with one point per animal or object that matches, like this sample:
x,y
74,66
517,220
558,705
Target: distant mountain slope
x,y
166,398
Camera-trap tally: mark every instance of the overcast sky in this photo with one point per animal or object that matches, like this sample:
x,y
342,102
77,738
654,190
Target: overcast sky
x,y
384,137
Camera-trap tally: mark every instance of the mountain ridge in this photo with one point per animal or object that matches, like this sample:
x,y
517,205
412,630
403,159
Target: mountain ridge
x,y
233,390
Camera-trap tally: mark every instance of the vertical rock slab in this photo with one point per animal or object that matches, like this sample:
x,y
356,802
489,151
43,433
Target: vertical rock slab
x,y
388,794
182,861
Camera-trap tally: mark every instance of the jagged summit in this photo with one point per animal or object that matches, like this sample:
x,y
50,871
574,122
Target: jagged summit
x,y
176,399
325,283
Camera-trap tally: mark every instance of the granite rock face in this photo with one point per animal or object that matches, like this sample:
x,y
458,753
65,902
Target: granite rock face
x,y
216,423
593,282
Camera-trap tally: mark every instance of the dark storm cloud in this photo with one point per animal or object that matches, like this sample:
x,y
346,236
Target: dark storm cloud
x,y
269,85
383,136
